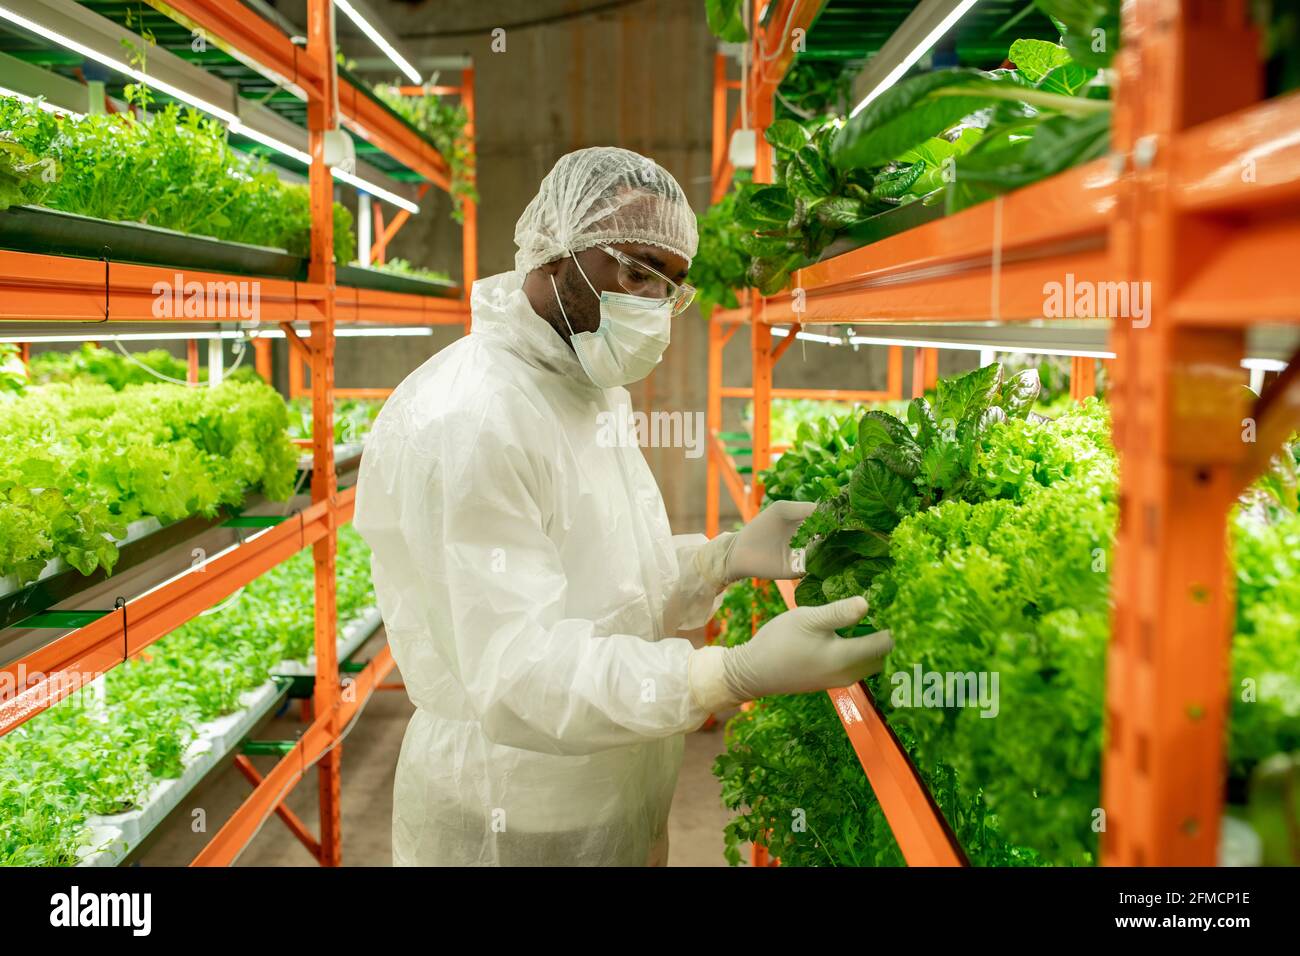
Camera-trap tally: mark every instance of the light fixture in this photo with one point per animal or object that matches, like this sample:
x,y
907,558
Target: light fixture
x,y
114,64
361,332
916,53
378,40
976,347
374,190
231,120
809,337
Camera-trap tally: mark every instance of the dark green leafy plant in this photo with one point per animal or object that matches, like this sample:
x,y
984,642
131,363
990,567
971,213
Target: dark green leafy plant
x,y
815,88
444,123
720,266
902,468
1048,114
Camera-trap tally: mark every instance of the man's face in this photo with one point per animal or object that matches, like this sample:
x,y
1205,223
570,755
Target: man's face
x,y
582,306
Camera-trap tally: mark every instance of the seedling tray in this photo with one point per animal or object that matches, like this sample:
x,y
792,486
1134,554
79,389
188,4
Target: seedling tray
x,y
359,277
52,232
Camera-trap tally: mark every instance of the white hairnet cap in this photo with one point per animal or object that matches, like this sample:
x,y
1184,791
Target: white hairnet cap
x,y
604,194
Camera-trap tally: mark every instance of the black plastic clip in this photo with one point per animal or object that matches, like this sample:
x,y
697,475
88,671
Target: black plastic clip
x,y
120,604
105,257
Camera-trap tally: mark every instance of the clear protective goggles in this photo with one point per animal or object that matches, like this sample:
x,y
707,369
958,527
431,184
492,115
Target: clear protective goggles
x,y
637,278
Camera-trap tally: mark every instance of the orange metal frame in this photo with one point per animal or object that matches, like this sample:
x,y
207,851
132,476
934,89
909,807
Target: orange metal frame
x,y
59,289
1201,199
356,306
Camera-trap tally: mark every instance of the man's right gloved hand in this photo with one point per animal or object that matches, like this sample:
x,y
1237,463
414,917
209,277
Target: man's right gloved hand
x,y
793,653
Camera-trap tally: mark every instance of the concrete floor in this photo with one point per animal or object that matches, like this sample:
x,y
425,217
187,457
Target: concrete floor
x,y
369,759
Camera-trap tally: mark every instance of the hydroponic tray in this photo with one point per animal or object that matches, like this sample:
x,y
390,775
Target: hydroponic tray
x,y
52,232
882,226
145,539
354,634
115,837
359,277
347,457
59,582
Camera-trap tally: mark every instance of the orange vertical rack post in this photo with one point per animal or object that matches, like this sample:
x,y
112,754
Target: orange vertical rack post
x,y
322,116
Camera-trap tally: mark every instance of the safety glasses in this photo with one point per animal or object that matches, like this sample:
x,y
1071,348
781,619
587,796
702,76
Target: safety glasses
x,y
637,278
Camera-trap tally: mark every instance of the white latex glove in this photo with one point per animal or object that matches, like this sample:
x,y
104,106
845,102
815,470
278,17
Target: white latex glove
x,y
761,549
793,653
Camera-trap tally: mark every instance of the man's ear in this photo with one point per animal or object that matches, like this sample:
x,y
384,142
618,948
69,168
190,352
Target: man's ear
x,y
552,268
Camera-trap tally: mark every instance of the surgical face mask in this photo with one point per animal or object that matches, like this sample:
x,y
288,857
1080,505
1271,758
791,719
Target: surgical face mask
x,y
633,334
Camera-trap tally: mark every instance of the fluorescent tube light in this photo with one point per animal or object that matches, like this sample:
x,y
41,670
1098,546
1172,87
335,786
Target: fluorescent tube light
x,y
374,190
378,40
114,64
976,347
917,52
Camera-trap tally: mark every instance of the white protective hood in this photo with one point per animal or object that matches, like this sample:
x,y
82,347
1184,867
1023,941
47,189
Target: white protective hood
x,y
530,587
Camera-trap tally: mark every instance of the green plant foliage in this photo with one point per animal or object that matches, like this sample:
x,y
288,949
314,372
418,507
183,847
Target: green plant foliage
x,y
444,123
174,170
90,755
13,375
719,266
743,604
815,88
899,469
400,267
818,462
726,20
1003,568
1047,115
78,463
92,364
352,418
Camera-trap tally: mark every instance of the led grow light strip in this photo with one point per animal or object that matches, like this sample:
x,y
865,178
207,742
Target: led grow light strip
x,y
975,347
231,120
378,40
1253,363
916,53
114,64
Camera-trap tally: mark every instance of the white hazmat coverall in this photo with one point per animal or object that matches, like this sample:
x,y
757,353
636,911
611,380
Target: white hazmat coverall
x,y
530,587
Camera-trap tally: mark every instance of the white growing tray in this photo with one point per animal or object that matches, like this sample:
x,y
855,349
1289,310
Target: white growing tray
x,y
113,837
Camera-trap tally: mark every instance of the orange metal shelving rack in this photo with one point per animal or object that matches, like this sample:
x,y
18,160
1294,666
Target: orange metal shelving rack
x,y
1200,197
40,288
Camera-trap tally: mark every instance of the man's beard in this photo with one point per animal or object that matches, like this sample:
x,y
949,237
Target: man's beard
x,y
580,306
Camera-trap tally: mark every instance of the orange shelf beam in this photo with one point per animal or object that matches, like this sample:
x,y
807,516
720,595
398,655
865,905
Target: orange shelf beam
x,y
380,307
50,673
42,288
735,484
923,836
317,741
988,262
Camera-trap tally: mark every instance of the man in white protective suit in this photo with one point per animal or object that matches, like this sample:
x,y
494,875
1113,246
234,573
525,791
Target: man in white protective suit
x,y
523,562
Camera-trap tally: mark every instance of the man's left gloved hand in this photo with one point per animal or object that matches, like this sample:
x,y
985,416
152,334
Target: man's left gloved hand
x,y
761,549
